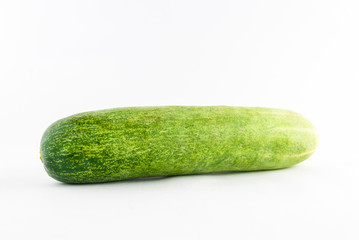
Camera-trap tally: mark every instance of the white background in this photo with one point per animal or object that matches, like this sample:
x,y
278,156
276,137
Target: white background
x,y
58,58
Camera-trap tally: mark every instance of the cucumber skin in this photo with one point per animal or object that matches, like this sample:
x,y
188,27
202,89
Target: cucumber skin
x,y
136,142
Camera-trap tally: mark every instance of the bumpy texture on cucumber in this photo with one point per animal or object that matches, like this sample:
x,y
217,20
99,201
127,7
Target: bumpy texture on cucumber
x,y
136,142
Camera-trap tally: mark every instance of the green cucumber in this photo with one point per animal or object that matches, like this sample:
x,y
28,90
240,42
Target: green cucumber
x,y
139,142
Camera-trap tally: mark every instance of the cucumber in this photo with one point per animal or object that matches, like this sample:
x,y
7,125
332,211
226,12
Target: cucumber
x,y
140,142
